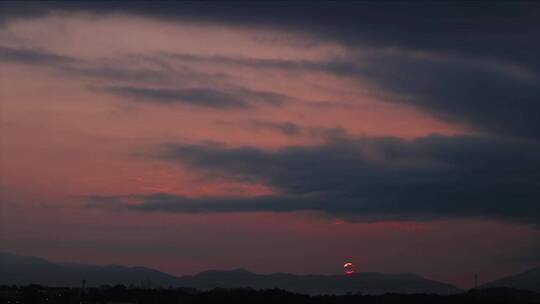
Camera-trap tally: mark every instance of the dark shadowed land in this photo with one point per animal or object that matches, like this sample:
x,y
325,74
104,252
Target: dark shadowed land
x,y
121,294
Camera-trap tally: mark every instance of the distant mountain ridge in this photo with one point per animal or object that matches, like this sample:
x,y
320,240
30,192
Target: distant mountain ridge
x,y
528,280
22,270
15,269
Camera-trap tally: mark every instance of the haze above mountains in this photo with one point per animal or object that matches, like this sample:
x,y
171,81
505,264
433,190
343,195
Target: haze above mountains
x,y
22,270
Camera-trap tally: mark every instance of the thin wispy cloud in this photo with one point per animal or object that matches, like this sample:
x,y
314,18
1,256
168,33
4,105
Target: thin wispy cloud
x,y
201,97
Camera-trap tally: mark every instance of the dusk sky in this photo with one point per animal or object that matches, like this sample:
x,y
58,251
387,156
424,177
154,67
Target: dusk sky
x,y
273,137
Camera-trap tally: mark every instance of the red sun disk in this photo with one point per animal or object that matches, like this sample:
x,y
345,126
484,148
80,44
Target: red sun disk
x,y
348,268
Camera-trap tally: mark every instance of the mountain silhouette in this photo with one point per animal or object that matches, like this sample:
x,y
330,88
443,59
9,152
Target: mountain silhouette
x,y
529,280
24,270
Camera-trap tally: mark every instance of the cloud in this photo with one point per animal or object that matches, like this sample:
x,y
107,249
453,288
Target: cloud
x,y
123,68
287,128
473,64
210,204
485,95
32,56
202,97
369,179
232,97
501,30
270,98
451,62
481,93
79,67
284,127
137,75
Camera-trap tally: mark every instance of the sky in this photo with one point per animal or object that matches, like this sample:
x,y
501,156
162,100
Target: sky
x,y
275,137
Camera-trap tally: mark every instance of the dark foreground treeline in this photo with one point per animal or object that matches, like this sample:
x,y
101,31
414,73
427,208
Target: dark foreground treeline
x,y
120,294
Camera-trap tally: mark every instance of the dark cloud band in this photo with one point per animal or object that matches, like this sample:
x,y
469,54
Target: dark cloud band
x,y
32,56
202,97
499,30
368,179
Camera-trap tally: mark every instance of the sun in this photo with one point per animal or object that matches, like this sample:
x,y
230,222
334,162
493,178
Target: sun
x,y
348,268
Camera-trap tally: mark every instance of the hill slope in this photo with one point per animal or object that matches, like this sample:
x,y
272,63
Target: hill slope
x,y
529,280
